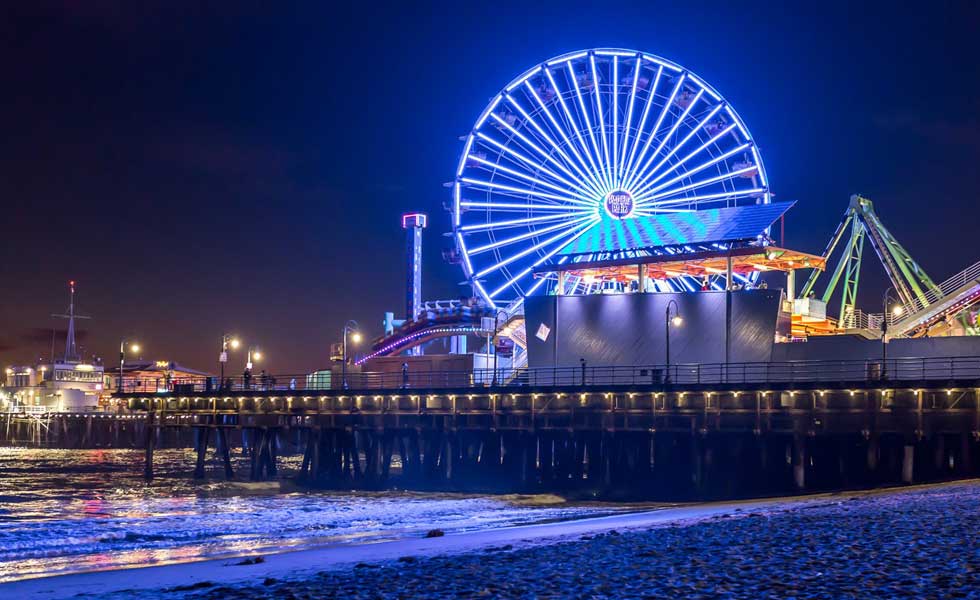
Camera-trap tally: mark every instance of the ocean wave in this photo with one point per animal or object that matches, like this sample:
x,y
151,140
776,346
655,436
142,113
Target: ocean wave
x,y
79,520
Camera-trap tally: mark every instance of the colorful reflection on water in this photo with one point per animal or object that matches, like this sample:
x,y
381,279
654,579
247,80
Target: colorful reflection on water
x,y
71,511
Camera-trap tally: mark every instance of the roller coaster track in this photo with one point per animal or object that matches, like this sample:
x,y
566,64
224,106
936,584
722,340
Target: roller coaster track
x,y
450,321
949,298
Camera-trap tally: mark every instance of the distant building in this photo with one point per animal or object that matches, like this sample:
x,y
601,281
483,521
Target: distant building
x,y
69,384
152,375
59,387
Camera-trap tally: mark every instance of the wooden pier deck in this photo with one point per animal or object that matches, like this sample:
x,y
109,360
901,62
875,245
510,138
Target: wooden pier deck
x,y
667,436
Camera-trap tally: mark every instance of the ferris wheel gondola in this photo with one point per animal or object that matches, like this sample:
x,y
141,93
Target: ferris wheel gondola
x,y
588,137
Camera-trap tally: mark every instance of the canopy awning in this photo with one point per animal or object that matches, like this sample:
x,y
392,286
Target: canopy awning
x,y
697,264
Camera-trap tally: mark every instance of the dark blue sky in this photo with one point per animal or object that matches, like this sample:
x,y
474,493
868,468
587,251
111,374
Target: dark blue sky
x,y
243,169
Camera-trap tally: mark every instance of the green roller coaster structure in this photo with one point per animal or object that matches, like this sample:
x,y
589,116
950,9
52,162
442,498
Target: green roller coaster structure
x,y
912,285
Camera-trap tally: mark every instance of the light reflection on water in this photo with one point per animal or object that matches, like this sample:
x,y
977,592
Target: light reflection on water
x,y
69,511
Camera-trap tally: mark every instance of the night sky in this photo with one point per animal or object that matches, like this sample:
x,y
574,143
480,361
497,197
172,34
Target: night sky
x,y
228,168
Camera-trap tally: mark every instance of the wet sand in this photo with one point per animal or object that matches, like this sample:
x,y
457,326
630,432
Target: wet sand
x,y
913,542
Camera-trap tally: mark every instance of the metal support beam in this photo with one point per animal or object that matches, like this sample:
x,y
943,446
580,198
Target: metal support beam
x,y
729,280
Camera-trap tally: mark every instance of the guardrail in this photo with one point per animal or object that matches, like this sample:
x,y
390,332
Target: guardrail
x,y
585,376
44,410
858,319
968,275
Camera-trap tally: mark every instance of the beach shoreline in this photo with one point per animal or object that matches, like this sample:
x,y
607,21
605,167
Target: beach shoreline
x,y
297,565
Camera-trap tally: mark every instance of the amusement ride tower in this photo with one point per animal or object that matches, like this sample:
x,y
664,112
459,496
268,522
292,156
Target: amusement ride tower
x,y
413,224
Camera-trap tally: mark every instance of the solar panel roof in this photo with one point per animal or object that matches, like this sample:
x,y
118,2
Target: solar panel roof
x,y
677,229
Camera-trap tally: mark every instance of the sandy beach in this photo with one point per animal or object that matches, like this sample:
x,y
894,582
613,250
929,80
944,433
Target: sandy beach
x,y
915,542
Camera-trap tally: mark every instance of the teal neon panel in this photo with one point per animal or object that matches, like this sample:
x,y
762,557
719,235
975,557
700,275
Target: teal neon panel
x,y
677,229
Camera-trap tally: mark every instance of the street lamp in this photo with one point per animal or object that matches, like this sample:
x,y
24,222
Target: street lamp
x,y
226,341
134,347
897,310
677,321
351,330
252,354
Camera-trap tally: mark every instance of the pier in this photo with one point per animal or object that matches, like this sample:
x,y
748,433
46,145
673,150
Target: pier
x,y
683,431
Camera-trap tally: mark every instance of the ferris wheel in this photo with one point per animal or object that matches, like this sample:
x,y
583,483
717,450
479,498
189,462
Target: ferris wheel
x,y
586,138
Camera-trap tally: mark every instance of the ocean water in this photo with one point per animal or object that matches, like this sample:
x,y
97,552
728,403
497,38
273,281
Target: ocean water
x,y
73,511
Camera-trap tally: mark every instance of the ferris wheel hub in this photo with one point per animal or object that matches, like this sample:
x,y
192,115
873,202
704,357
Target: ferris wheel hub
x,y
619,204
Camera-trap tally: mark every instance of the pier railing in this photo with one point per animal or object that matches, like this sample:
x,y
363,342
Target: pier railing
x,y
898,370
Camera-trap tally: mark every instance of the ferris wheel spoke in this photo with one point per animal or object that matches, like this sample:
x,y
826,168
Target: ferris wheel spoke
x,y
588,124
517,206
656,127
510,196
649,212
576,131
581,223
517,174
581,184
571,222
663,143
580,165
524,159
627,122
519,222
539,283
699,168
641,183
614,108
545,278
643,118
607,167
521,192
733,195
698,184
693,153
546,156
565,238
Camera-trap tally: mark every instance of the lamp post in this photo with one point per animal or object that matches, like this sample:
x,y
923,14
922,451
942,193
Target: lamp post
x,y
122,359
350,329
677,320
896,311
496,332
226,341
252,354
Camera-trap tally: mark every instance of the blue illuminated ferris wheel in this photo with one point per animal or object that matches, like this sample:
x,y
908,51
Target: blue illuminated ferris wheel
x,y
584,139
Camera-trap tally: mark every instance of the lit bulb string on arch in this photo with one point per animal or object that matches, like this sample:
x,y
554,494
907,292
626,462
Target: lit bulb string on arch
x,y
439,331
586,137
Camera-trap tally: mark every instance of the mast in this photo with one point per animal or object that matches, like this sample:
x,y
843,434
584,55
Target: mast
x,y
71,349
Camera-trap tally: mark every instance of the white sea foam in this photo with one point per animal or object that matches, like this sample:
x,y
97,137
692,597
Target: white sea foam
x,y
73,511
